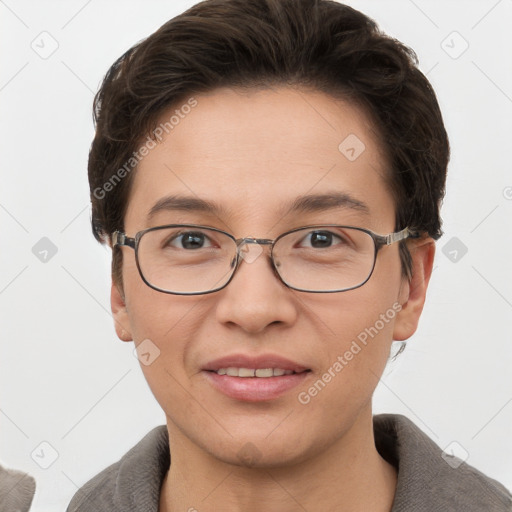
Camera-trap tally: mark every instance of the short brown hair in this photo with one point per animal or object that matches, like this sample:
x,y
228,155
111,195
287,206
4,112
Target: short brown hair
x,y
317,44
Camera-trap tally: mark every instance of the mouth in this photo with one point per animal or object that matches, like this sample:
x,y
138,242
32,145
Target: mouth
x,y
254,379
261,373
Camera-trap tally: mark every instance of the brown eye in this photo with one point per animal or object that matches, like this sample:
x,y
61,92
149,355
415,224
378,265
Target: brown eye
x,y
190,240
320,239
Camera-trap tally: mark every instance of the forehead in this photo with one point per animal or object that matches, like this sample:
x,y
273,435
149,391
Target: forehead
x,y
251,152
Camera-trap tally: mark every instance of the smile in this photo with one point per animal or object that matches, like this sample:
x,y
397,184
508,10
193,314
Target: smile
x,y
253,372
254,379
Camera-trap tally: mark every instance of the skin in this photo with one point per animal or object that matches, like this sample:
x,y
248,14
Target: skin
x,y
253,152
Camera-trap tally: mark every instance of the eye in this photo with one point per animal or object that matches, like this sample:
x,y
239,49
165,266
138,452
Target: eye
x,y
321,240
189,240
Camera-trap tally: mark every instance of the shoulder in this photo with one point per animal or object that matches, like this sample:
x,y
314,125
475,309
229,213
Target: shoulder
x,y
131,484
430,479
16,489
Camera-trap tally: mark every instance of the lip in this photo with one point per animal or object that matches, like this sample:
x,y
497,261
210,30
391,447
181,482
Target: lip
x,y
255,389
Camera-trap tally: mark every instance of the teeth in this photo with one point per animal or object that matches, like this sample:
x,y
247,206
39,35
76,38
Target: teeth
x,y
251,372
246,372
262,372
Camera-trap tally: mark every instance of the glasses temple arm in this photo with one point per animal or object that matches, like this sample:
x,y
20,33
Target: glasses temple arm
x,y
119,239
401,235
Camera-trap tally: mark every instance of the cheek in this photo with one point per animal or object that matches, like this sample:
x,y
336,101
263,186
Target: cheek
x,y
356,340
358,328
152,313
161,324
355,330
165,326
168,327
169,321
364,314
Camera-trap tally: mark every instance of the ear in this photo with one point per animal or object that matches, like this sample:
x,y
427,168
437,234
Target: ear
x,y
413,292
120,314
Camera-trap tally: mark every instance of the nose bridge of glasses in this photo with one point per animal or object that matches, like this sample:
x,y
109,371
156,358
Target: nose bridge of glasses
x,y
240,242
250,248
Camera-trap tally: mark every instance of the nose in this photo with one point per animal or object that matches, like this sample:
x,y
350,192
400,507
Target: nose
x,y
256,298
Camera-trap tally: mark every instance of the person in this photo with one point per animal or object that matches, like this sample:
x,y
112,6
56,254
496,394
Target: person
x,y
17,490
269,176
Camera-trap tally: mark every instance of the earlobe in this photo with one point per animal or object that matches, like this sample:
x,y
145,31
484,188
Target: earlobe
x,y
120,314
414,291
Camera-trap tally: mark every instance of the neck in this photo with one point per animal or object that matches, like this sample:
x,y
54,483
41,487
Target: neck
x,y
348,476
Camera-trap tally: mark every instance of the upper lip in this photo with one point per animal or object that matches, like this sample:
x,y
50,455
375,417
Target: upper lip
x,y
256,362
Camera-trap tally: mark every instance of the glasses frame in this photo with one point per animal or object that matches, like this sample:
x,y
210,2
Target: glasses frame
x,y
120,239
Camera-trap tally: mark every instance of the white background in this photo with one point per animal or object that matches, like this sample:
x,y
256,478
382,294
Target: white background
x,y
67,380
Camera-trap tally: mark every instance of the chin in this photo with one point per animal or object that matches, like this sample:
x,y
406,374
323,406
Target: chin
x,y
260,453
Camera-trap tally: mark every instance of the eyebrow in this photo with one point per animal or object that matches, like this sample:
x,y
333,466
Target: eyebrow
x,y
322,202
185,203
304,204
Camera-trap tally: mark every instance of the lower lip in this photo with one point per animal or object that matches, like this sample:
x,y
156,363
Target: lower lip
x,y
255,389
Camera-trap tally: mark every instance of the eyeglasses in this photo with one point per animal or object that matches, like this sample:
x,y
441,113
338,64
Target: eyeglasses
x,y
185,259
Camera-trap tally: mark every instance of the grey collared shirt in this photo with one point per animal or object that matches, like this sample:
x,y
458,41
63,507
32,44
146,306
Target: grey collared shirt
x,y
427,482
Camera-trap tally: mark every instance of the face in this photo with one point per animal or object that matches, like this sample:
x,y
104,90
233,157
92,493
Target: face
x,y
253,155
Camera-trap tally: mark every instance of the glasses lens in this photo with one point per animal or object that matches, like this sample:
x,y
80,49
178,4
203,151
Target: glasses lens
x,y
186,259
325,258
